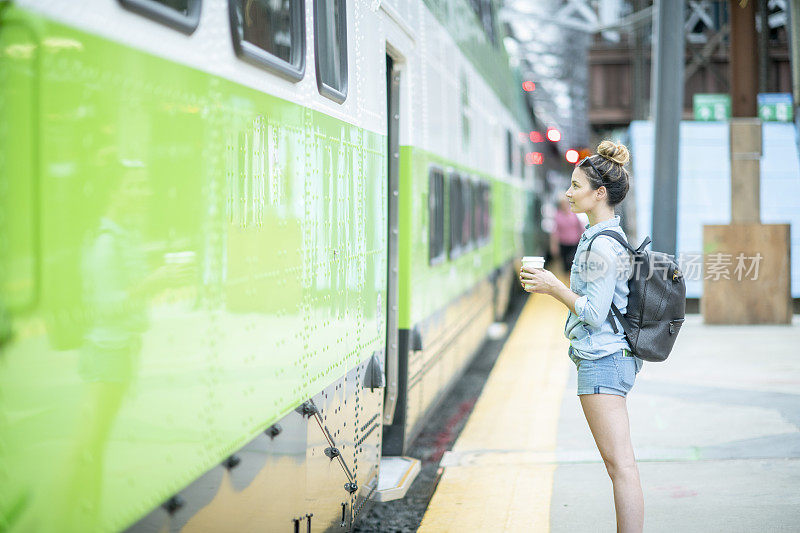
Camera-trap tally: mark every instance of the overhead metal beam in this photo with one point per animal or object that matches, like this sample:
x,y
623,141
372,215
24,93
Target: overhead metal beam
x,y
698,13
628,22
508,15
703,58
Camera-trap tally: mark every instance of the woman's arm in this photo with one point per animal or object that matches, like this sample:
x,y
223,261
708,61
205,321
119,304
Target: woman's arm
x,y
543,281
563,294
591,308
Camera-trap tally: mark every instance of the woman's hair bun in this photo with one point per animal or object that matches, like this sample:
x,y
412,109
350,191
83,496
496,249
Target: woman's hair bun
x,y
616,152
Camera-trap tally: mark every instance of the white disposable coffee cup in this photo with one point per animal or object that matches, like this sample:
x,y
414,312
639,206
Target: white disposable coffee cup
x,y
533,261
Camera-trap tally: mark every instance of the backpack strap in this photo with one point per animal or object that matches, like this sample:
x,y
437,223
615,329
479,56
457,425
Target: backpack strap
x,y
626,326
616,236
611,319
614,311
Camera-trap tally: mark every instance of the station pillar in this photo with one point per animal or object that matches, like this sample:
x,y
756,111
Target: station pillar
x,y
747,275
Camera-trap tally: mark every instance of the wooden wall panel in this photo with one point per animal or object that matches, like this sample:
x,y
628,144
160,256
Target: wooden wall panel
x,y
733,291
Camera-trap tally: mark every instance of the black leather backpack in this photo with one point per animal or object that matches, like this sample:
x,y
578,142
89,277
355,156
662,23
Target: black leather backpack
x,y
656,303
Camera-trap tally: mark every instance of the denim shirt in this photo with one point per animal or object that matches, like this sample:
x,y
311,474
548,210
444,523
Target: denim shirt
x,y
597,283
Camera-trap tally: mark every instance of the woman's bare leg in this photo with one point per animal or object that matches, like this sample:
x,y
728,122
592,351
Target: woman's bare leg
x,y
607,415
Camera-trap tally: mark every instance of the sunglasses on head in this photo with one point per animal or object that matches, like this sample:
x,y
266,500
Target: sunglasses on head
x,y
588,159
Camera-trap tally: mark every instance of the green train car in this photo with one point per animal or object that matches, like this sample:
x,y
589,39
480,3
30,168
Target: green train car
x,y
246,247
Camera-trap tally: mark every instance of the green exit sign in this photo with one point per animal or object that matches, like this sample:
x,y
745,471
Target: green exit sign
x,y
775,107
712,106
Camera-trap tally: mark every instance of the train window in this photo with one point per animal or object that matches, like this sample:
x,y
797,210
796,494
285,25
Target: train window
x,y
468,210
476,211
510,151
485,12
484,218
465,111
488,16
183,15
435,216
456,215
330,47
270,34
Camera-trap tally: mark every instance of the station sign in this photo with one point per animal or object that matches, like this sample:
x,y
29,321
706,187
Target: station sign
x,y
775,107
712,106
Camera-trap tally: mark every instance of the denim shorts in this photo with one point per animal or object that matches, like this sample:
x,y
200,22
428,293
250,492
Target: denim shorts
x,y
612,374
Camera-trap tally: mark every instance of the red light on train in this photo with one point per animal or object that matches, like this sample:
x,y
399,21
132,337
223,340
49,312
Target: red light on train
x,y
536,137
528,86
572,156
534,158
553,134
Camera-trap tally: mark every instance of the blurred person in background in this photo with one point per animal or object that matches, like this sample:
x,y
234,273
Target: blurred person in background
x,y
567,231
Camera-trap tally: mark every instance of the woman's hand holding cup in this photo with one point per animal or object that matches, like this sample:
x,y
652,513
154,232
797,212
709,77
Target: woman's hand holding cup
x,y
534,278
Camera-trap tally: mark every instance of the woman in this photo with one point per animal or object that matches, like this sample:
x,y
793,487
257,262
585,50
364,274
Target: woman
x,y
606,369
566,234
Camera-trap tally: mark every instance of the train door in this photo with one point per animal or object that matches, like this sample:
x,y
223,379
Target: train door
x,y
393,176
397,473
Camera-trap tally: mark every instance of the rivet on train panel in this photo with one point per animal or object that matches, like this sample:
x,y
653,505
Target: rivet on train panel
x,y
231,462
173,504
274,430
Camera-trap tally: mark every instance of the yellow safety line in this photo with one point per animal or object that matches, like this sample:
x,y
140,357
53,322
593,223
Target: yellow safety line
x,y
408,472
484,486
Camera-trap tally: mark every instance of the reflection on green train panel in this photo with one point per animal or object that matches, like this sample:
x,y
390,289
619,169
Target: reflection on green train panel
x,y
17,132
184,260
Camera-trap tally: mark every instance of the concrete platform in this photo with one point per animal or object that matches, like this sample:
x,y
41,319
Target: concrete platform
x,y
715,429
